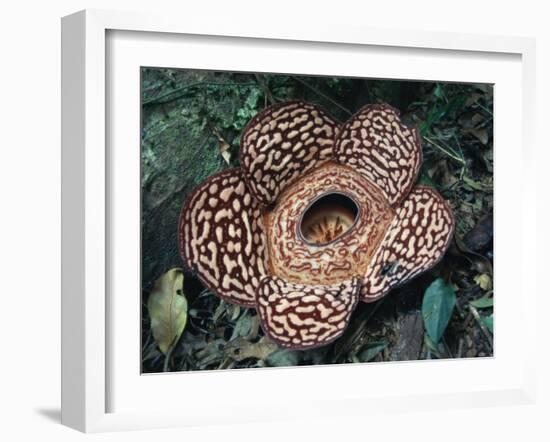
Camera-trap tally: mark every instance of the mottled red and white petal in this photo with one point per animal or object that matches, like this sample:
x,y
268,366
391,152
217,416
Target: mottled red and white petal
x,y
375,143
303,316
415,241
222,239
281,143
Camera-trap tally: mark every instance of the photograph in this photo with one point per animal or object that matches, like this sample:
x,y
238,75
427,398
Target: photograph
x,y
279,222
292,220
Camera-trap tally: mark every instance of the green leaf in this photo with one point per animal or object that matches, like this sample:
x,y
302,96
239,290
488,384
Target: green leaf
x,y
426,180
482,303
437,113
487,322
168,309
242,327
431,345
438,92
372,349
473,184
283,358
437,308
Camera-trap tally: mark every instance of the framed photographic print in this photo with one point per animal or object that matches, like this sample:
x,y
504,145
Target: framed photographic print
x,y
253,209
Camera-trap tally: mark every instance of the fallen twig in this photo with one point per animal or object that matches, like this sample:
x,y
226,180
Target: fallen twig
x,y
350,341
182,91
325,96
484,330
265,89
453,154
460,345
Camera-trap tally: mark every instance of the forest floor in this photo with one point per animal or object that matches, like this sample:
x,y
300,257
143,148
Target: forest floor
x,y
191,123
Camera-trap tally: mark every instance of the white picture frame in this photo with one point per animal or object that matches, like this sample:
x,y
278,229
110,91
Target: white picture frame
x,y
91,364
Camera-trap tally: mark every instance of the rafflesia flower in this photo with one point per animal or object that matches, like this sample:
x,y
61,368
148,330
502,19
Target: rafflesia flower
x,y
319,216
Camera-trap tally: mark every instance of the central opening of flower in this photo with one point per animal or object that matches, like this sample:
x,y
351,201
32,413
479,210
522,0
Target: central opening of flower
x,y
328,218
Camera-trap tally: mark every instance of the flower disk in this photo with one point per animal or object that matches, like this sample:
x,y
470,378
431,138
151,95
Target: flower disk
x,y
295,259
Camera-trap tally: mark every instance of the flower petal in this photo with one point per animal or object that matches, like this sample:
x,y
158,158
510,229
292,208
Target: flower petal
x,y
415,241
375,143
303,316
282,142
222,239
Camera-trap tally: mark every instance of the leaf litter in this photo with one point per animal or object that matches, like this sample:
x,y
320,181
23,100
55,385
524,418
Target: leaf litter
x,y
191,126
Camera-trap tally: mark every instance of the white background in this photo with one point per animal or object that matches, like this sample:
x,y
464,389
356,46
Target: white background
x,y
30,232
298,389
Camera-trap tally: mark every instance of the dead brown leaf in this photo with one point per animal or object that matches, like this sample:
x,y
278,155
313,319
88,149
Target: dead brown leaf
x,y
168,309
481,134
223,147
240,349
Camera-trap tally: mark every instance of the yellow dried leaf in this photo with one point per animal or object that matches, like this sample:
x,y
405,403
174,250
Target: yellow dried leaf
x,y
223,147
168,309
226,156
484,281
